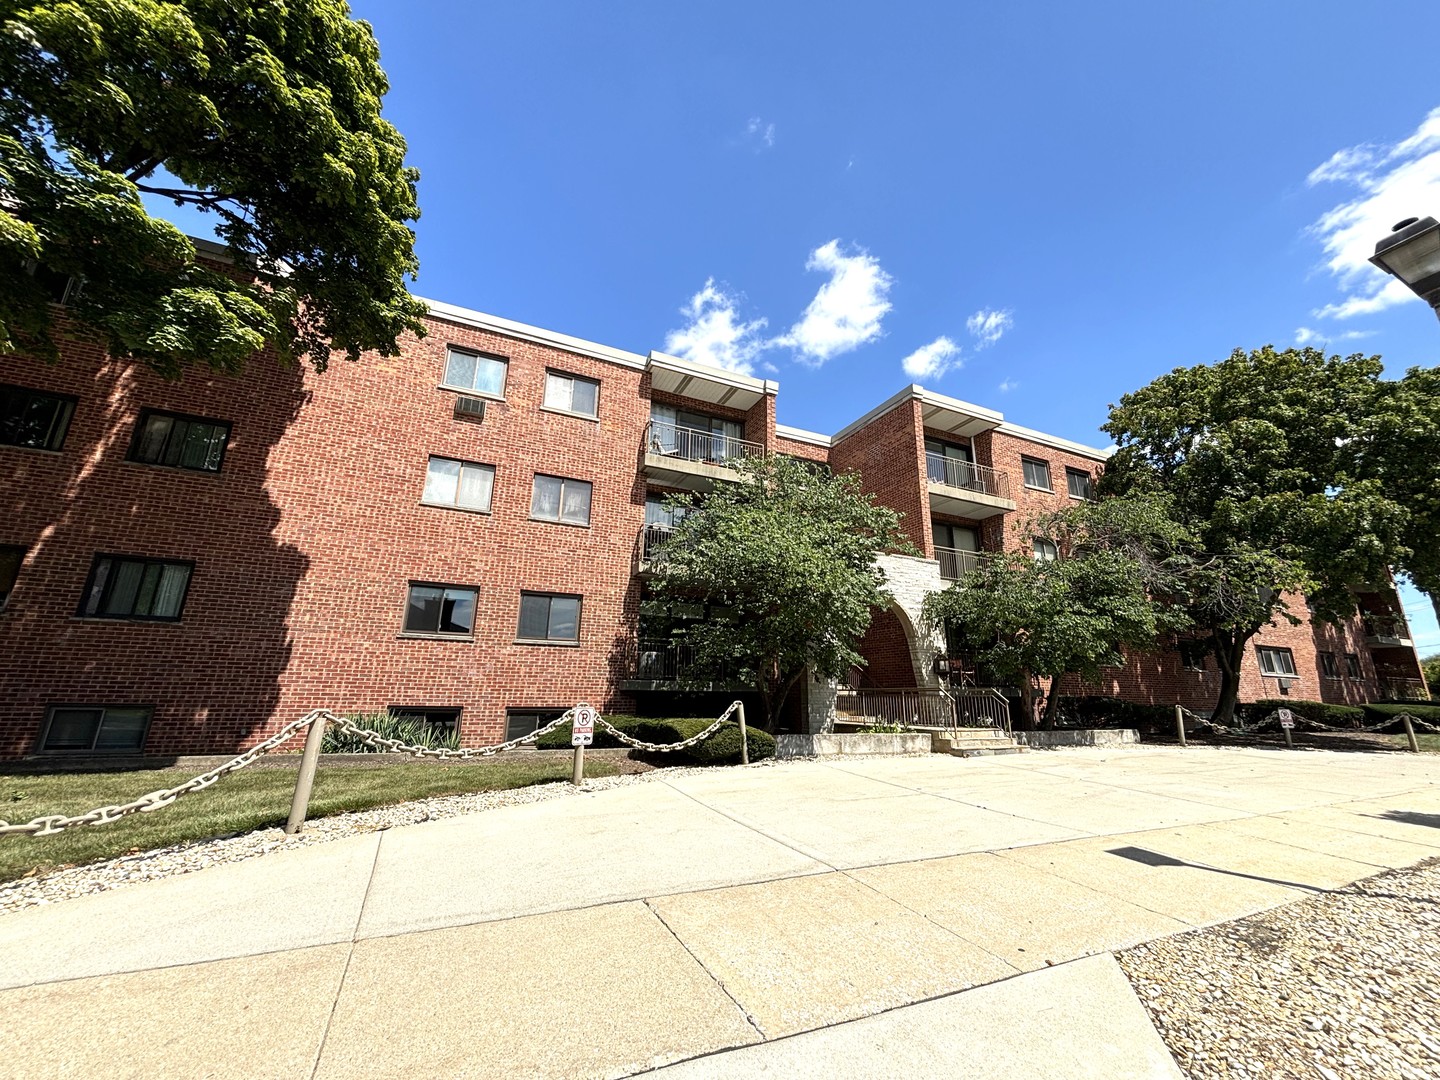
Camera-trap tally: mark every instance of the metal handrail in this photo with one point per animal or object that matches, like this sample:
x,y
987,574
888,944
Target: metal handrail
x,y
1403,689
1385,626
955,563
652,541
692,444
966,475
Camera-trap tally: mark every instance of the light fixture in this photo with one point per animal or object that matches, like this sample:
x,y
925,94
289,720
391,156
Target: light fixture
x,y
1412,253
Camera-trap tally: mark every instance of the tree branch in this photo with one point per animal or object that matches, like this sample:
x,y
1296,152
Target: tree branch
x,y
198,198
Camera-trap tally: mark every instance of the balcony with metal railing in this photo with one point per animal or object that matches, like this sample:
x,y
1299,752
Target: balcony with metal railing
x,y
955,563
650,547
661,664
966,489
692,458
1384,632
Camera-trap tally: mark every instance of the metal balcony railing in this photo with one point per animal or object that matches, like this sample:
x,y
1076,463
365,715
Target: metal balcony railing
x,y
966,476
1386,628
661,660
926,707
652,541
692,444
955,564
1396,689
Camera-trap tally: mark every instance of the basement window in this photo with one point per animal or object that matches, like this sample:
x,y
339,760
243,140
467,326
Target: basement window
x,y
445,720
95,729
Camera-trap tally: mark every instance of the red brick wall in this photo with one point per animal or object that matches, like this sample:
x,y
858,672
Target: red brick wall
x,y
887,649
805,450
889,455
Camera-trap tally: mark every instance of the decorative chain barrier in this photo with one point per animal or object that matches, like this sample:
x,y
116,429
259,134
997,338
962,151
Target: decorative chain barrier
x,y
317,720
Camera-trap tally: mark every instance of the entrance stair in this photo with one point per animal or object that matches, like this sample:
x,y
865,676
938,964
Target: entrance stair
x,y
973,742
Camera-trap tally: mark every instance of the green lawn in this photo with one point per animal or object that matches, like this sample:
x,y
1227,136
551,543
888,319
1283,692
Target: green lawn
x,y
250,799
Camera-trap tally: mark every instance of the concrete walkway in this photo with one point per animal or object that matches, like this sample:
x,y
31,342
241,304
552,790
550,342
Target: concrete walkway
x,y
808,918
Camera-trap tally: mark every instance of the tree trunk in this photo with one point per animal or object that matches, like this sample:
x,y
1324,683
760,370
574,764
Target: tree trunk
x,y
1230,654
1027,701
1052,705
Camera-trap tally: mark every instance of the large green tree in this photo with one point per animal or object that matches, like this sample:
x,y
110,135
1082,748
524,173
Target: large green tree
x,y
265,113
1261,458
786,558
1108,592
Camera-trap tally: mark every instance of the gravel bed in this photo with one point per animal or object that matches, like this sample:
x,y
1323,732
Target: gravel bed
x,y
1344,985
65,884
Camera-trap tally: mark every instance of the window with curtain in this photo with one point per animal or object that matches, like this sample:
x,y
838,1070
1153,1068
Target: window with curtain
x,y
1078,482
1037,473
571,393
1275,662
475,373
179,442
557,498
467,485
693,435
123,587
1044,550
549,617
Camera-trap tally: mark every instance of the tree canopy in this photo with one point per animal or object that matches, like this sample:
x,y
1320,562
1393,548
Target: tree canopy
x,y
787,558
1108,591
265,113
1262,457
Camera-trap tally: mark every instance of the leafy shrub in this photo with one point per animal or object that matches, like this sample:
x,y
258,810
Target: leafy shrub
x,y
1375,714
1103,712
885,729
406,729
722,748
1340,716
559,739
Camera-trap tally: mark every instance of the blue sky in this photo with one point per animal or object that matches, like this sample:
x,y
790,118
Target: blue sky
x,y
1034,207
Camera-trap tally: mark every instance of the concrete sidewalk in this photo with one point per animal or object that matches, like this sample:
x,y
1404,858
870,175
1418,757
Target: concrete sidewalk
x,y
772,908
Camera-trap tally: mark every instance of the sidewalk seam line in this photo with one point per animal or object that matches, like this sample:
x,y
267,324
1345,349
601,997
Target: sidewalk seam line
x,y
752,828
713,978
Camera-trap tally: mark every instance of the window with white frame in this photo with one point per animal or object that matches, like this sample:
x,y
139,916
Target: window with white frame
x,y
1037,473
1278,663
1044,550
572,394
475,373
95,729
557,498
465,485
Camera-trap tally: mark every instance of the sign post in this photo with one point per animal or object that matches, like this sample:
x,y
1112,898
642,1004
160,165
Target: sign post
x,y
1287,721
582,734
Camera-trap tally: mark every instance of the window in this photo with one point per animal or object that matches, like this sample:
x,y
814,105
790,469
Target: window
x,y
462,484
475,373
1045,550
179,442
955,537
570,393
1352,666
1328,667
122,587
549,617
10,559
1192,655
443,610
1037,474
1279,663
558,499
1078,482
96,729
33,419
658,513
446,720
522,722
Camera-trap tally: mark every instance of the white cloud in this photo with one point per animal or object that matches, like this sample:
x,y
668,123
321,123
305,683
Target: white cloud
x,y
715,334
759,133
1008,385
847,310
1393,182
933,360
1304,335
988,326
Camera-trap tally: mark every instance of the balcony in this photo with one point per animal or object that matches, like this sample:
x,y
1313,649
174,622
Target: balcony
x,y
663,665
965,489
691,458
1403,689
1383,632
649,547
955,564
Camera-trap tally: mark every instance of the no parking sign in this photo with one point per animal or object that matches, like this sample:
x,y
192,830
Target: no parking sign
x,y
582,726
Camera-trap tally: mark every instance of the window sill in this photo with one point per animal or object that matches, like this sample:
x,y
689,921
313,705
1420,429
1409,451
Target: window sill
x,y
411,635
547,641
471,392
567,524
124,620
592,417
32,449
181,469
452,506
1047,491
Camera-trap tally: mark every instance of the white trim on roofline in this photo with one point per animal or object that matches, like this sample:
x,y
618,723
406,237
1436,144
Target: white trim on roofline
x,y
795,434
1054,441
724,377
917,392
480,320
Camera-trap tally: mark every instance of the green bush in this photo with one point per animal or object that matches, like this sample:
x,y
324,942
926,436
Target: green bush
x,y
1103,712
1375,714
406,729
559,739
722,748
1340,716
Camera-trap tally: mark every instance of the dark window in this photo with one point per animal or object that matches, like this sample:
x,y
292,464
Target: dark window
x,y
571,393
122,587
1328,667
1037,473
1044,550
447,720
179,442
95,729
549,617
474,373
34,419
440,609
1276,662
10,559
522,722
1352,665
555,498
1078,482
1192,655
464,484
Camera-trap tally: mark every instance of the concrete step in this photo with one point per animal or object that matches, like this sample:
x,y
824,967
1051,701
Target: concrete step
x,y
949,742
988,751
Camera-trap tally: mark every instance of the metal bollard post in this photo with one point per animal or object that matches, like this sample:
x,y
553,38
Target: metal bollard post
x,y
1289,740
1180,724
306,779
577,776
1410,732
744,738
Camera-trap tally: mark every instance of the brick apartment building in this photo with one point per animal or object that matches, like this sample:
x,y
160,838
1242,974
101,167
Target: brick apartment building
x,y
461,532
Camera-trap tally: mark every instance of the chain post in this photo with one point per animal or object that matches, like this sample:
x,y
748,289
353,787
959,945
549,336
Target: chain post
x,y
305,780
744,737
1410,732
577,775
1180,724
1289,739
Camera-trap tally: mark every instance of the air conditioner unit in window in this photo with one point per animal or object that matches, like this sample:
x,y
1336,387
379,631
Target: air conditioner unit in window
x,y
469,408
1285,684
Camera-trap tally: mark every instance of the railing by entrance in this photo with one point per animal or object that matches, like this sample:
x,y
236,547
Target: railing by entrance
x,y
966,475
926,707
692,444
